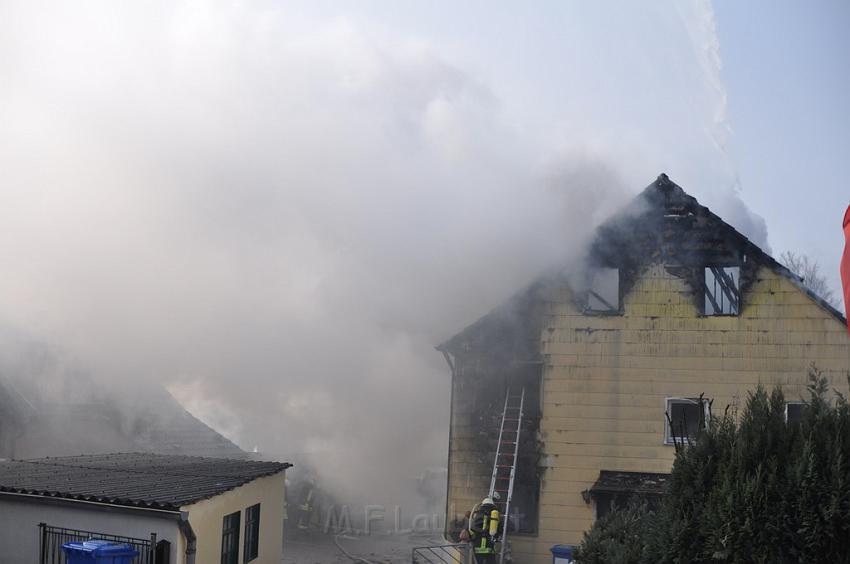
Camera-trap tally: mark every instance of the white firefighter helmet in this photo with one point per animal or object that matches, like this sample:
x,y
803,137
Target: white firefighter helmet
x,y
487,501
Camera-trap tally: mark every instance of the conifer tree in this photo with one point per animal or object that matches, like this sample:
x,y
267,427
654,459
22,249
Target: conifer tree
x,y
750,489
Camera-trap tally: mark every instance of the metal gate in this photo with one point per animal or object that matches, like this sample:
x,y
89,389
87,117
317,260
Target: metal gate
x,y
52,539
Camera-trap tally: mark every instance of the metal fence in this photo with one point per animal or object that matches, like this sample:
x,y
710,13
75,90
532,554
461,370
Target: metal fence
x,y
441,554
52,539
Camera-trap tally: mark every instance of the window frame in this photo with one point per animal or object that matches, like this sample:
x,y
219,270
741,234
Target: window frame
x,y
801,403
618,309
718,310
228,532
668,402
251,546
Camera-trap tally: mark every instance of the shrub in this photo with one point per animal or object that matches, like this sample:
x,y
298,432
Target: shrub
x,y
616,538
753,489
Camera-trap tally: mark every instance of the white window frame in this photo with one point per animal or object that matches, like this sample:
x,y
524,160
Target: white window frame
x,y
618,306
787,403
724,302
668,440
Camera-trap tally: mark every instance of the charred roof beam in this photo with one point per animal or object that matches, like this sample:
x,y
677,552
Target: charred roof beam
x,y
727,286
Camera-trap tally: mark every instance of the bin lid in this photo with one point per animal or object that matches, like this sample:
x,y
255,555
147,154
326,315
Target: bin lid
x,y
99,548
563,550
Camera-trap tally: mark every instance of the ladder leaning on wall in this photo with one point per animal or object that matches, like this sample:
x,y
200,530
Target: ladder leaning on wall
x,y
504,466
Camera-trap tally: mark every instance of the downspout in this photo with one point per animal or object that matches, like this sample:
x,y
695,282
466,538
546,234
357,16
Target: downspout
x,y
189,533
451,364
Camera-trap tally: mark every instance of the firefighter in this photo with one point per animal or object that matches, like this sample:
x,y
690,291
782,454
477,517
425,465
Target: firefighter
x,y
484,531
306,503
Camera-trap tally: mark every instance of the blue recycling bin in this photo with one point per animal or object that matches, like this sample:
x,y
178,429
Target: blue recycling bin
x,y
98,552
562,554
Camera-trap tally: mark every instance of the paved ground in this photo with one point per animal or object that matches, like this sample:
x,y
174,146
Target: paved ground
x,y
320,548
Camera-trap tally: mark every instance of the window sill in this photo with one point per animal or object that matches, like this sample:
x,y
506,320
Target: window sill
x,y
669,442
710,315
594,313
526,535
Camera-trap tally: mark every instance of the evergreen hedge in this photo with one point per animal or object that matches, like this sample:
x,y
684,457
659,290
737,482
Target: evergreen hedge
x,y
750,489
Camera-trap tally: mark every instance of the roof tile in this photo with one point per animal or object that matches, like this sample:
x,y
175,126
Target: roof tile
x,y
134,479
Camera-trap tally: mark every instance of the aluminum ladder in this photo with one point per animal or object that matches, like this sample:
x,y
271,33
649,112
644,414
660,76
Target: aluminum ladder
x,y
504,466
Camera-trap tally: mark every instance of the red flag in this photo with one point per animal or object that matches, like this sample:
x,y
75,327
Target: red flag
x,y
845,264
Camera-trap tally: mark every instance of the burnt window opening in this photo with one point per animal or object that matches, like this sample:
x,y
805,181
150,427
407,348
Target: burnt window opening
x,y
684,418
524,508
603,292
481,375
525,502
794,412
722,290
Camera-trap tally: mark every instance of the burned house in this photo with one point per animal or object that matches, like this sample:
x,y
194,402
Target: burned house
x,y
673,309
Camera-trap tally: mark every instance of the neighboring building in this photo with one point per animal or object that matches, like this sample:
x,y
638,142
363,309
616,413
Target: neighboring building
x,y
163,426
32,426
671,304
201,510
15,414
50,405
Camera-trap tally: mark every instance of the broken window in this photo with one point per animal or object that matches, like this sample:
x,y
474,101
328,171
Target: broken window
x,y
722,290
524,518
524,506
794,411
684,418
603,292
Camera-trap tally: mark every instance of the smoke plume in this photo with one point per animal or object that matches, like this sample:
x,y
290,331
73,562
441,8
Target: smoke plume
x,y
277,210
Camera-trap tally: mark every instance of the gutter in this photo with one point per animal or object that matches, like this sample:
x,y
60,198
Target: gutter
x,y
191,540
451,364
96,505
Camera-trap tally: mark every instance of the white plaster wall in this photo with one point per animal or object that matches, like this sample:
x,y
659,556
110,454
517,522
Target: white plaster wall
x,y
19,532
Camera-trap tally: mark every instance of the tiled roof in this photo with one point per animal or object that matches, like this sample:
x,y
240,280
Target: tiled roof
x,y
133,479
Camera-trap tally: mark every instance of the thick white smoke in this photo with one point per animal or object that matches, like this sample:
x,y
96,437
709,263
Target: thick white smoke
x,y
278,211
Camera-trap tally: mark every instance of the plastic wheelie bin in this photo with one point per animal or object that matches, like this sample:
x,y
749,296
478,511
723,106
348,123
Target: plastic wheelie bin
x,y
98,552
562,553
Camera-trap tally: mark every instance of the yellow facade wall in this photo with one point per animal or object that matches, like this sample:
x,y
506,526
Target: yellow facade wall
x,y
206,518
606,380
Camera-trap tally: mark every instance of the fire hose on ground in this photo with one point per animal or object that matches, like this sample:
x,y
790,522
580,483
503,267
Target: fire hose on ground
x,y
349,555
